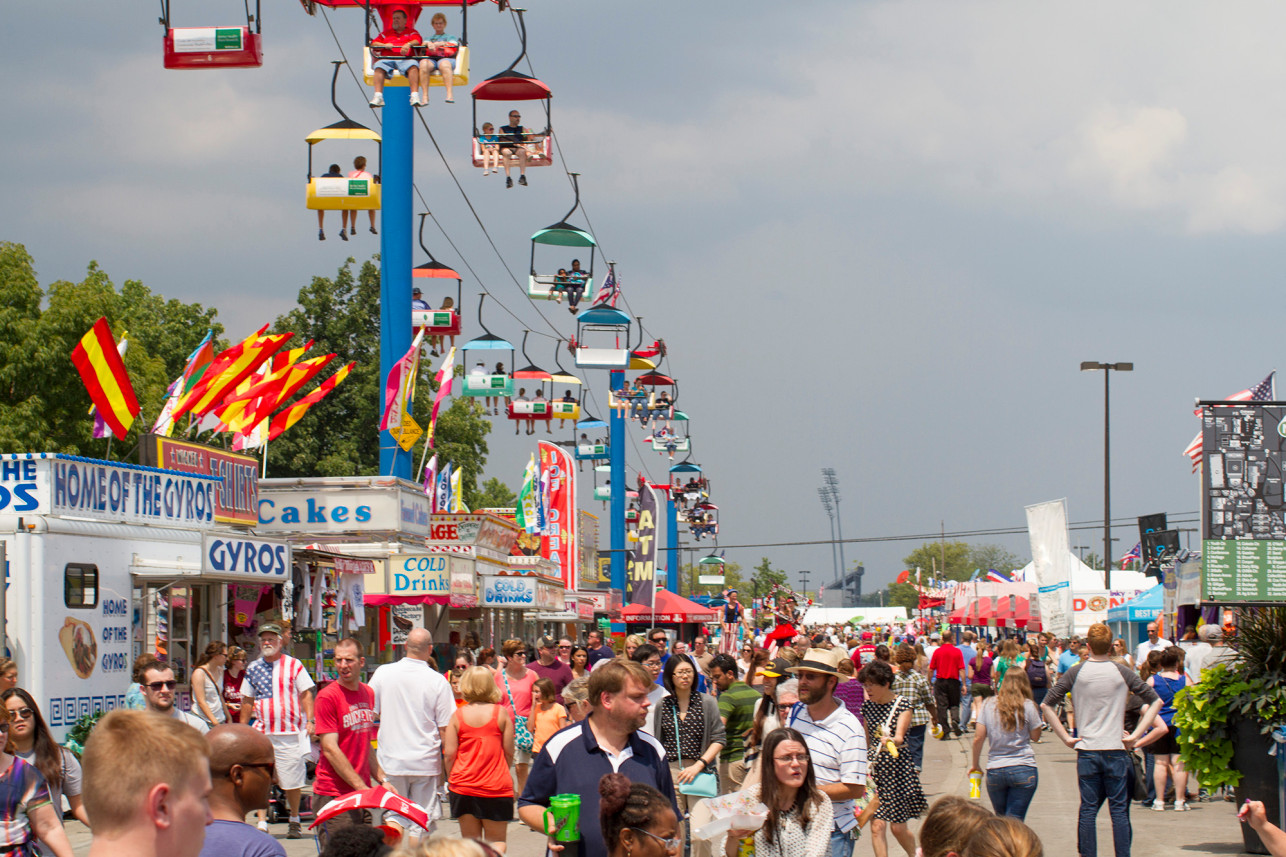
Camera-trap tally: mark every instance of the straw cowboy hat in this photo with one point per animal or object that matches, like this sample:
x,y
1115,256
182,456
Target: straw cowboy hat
x,y
824,661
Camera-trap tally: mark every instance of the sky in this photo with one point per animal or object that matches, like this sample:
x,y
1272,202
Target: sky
x,y
876,236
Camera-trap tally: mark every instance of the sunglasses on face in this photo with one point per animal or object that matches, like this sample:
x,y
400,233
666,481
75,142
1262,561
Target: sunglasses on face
x,y
162,685
21,713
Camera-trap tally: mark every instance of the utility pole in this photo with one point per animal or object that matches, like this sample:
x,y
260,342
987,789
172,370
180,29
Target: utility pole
x,y
832,484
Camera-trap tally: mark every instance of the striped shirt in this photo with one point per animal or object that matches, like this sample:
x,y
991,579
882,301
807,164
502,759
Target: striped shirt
x,y
915,688
275,688
837,745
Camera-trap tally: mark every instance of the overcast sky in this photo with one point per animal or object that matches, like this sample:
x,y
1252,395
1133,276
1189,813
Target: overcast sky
x,y
877,236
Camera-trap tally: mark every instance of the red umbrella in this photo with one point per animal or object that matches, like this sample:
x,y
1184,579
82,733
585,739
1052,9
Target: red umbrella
x,y
376,798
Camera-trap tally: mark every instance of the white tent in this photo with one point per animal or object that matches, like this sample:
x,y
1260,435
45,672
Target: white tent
x,y
840,615
1086,579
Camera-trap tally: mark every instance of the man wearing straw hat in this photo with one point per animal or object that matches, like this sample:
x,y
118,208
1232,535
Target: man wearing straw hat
x,y
835,738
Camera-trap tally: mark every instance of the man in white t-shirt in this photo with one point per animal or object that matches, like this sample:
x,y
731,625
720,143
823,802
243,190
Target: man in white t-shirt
x,y
278,691
414,703
1154,643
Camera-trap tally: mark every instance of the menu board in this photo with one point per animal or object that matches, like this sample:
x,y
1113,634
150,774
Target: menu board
x,y
1243,508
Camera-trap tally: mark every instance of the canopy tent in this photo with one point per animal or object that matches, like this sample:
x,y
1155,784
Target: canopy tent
x,y
1142,608
670,608
1086,579
816,615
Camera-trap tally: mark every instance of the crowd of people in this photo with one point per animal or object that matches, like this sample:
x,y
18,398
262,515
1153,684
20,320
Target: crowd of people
x,y
826,731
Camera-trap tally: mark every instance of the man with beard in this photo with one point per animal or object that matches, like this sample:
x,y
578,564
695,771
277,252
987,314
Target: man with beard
x,y
576,758
836,741
278,691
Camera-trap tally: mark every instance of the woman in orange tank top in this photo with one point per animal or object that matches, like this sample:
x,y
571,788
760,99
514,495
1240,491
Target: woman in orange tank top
x,y
478,747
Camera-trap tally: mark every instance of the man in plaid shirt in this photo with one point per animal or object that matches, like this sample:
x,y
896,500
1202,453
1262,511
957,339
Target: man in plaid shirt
x,y
908,682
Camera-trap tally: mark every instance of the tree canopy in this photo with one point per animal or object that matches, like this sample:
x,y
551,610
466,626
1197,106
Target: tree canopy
x,y
962,559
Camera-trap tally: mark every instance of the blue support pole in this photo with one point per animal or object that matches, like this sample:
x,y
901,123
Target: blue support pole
x,y
398,165
616,451
671,544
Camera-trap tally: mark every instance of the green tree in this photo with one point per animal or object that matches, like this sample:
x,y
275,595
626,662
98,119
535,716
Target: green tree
x,y
962,560
494,494
688,585
43,403
765,578
337,437
994,556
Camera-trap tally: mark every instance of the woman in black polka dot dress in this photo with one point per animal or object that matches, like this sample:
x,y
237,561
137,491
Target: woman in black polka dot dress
x,y
888,717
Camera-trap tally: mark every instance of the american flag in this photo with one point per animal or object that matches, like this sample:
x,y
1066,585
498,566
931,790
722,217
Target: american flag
x,y
609,292
277,708
1262,392
1135,554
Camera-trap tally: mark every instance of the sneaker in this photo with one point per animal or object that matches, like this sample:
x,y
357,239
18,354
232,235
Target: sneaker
x,y
294,832
321,234
433,353
1157,806
342,236
377,100
263,826
373,232
509,181
522,180
1180,806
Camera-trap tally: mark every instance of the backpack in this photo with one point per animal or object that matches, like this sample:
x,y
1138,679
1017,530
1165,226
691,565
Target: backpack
x,y
1036,673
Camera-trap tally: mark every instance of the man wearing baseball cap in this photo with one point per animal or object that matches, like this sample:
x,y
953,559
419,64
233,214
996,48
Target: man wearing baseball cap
x,y
835,738
278,691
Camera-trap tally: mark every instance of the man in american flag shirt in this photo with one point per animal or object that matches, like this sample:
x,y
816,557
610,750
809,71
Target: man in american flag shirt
x,y
278,692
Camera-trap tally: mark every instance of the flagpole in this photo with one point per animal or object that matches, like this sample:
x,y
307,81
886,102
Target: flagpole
x,y
263,468
419,473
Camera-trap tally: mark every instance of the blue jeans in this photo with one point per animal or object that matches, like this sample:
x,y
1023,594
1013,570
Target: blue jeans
x,y
966,706
915,744
842,843
1104,775
1011,790
1149,771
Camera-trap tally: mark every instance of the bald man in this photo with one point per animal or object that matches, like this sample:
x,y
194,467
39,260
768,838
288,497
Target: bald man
x,y
241,768
414,704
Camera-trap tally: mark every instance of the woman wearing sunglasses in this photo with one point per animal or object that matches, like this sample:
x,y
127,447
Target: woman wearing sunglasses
x,y
637,820
32,742
26,810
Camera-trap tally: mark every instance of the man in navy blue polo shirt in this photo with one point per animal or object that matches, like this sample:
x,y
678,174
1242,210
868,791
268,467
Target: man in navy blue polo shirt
x,y
576,758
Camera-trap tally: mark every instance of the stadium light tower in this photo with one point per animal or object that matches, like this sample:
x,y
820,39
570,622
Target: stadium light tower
x,y
830,513
831,484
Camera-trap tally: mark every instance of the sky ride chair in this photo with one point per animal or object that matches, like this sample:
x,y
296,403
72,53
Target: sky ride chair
x,y
538,410
212,47
443,321
561,234
488,383
385,9
513,85
564,410
329,193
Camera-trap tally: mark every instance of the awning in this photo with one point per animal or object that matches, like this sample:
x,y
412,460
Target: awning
x,y
670,608
1142,608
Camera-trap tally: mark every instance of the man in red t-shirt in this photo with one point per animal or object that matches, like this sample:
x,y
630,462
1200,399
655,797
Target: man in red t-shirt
x,y
345,714
393,49
947,667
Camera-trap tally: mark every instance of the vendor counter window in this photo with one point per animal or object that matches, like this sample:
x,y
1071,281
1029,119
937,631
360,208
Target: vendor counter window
x,y
80,585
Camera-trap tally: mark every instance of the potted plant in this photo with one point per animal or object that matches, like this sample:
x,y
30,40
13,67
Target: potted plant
x,y
1225,721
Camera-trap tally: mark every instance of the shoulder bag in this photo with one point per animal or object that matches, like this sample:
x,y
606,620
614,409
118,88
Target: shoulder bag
x,y
523,739
873,804
704,784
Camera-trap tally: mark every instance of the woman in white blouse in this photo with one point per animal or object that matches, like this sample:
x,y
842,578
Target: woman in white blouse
x,y
800,817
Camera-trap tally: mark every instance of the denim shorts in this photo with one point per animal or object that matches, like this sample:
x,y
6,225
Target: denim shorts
x,y
391,65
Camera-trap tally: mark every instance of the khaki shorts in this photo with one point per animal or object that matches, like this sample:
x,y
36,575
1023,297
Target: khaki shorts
x,y
289,753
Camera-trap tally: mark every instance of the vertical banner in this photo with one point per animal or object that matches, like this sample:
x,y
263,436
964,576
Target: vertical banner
x,y
640,567
1052,563
558,474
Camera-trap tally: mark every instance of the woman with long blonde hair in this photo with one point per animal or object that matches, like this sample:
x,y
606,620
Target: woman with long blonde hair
x,y
1011,722
1010,654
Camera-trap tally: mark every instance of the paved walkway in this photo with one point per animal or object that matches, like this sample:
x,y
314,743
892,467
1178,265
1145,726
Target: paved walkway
x,y
1208,829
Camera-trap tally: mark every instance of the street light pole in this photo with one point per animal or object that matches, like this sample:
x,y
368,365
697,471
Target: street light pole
x,y
1107,369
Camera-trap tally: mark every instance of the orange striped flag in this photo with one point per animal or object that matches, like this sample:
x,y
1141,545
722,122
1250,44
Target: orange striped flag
x,y
292,414
248,356
103,372
243,410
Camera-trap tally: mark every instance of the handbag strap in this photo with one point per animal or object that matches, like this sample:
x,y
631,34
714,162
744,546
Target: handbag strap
x,y
884,730
678,744
509,693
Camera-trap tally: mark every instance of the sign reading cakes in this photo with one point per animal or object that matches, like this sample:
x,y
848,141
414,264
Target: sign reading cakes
x,y
72,487
511,592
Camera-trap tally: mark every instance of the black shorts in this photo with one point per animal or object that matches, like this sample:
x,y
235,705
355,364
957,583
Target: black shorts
x,y
482,808
1166,745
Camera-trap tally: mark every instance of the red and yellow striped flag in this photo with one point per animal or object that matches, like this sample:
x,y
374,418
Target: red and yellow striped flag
x,y
244,409
103,372
291,415
209,394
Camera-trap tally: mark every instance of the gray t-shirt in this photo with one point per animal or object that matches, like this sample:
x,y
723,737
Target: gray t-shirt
x,y
71,784
1008,749
1099,690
